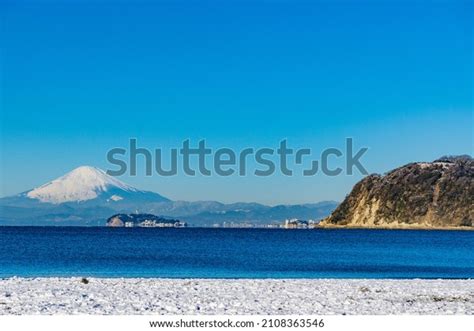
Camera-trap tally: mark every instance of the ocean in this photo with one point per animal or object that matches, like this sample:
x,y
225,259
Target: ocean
x,y
234,253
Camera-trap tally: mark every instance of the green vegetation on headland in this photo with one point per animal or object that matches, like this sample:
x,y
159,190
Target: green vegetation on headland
x,y
426,195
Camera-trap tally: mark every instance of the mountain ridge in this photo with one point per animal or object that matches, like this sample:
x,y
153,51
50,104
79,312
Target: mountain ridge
x,y
87,196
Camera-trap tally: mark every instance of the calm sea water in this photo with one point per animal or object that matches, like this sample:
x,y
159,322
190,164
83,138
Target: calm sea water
x,y
235,253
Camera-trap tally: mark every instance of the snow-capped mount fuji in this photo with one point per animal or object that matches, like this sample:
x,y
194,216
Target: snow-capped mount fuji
x,y
87,196
88,183
84,196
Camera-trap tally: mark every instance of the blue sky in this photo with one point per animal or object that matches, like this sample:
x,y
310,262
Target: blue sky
x,y
79,79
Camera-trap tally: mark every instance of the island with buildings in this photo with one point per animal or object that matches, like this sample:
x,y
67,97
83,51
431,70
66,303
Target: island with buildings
x,y
143,221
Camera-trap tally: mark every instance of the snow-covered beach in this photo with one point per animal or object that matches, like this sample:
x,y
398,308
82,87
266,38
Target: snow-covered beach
x,y
243,296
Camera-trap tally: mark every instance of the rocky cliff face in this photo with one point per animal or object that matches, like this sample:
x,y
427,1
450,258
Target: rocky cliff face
x,y
437,194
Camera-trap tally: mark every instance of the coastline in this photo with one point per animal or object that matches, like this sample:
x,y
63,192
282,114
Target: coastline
x,y
395,227
317,227
163,296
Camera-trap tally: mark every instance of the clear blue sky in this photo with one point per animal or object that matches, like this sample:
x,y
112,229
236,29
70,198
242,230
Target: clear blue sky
x,y
79,79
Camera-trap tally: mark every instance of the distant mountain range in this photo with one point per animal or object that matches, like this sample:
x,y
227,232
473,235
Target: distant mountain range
x,y
87,196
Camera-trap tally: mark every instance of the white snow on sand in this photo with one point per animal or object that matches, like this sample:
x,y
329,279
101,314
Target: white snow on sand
x,y
269,297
